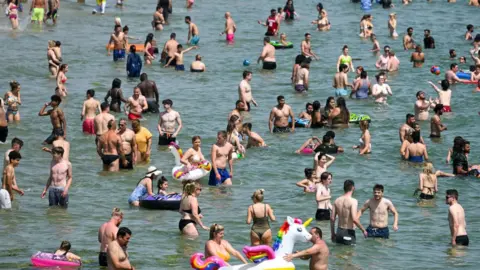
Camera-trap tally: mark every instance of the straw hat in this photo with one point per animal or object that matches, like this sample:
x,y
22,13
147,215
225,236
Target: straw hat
x,y
152,170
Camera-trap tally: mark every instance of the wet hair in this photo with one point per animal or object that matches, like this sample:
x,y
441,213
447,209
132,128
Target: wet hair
x,y
280,98
167,101
215,228
317,231
188,18
161,181
342,67
308,172
324,176
194,138
364,124
14,155
143,77
223,133
56,98
91,92
408,116
469,27
104,106
125,28
299,59
330,133
326,139
348,185
246,73
123,231
452,192
14,85
378,187
308,105
173,35
133,49
258,195
65,245
316,105
438,108
248,126
58,150
445,85
416,136
327,105
266,39
343,109
116,212
427,30
116,83
363,74
17,141
453,65
58,43
360,68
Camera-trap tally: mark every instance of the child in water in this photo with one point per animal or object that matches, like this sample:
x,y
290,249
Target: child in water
x,y
163,186
64,250
308,184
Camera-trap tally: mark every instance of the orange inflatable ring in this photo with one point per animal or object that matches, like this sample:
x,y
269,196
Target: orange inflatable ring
x,y
140,47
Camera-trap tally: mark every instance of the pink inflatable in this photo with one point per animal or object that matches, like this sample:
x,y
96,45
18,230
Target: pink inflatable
x,y
43,259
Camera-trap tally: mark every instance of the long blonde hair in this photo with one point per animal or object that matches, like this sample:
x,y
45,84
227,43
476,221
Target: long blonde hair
x,y
215,228
428,170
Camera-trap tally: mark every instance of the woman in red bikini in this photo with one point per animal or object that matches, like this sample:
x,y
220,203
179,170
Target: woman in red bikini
x,y
61,90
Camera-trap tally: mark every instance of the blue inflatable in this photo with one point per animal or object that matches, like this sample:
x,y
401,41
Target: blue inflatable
x,y
246,62
464,75
366,5
300,122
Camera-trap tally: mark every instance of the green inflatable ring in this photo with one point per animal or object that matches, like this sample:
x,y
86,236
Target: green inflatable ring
x,y
279,45
356,118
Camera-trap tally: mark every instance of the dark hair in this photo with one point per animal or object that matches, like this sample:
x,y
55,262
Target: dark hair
x,y
167,101
320,155
104,106
179,46
427,30
327,105
238,102
299,59
307,34
317,231
438,108
445,85
116,83
316,105
469,27
117,26
308,105
326,139
341,67
91,92
378,187
246,73
409,115
409,28
363,74
266,39
58,150
56,98
143,77
416,136
173,35
123,231
223,133
248,126
308,172
458,144
194,138
125,28
330,133
453,65
17,141
161,181
344,47
343,109
280,98
159,7
148,39
65,245
188,18
324,176
419,93
272,10
386,47
452,192
348,185
14,155
133,48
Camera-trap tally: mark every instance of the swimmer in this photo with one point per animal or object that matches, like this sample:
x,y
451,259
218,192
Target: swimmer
x,y
268,55
278,119
101,120
290,13
12,13
317,254
392,25
144,186
198,65
308,184
261,232
452,53
221,154
272,23
381,90
109,148
307,114
339,116
60,142
345,59
64,250
169,50
309,145
460,161
458,142
427,181
193,157
193,32
59,181
135,105
366,26
117,255
340,81
13,100
376,46
451,75
239,108
53,7
456,219
230,28
61,89
428,41
436,126
301,81
416,151
476,74
417,57
317,120
3,123
158,20
119,41
57,118
169,124
217,246
149,52
422,106
254,140
107,233
382,62
408,42
178,57
379,208
322,197
299,59
407,141
469,33
328,145
39,7
444,95
9,181
190,209
234,129
149,89
89,111
475,3
281,13
134,63
167,8
362,87
306,47
365,147
129,144
245,90
393,62
321,162
53,61
476,59
323,24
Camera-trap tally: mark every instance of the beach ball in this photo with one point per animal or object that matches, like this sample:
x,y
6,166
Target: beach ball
x,y
435,70
246,62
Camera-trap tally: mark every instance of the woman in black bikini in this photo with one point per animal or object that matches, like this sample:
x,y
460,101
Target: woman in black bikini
x,y
261,232
117,96
190,210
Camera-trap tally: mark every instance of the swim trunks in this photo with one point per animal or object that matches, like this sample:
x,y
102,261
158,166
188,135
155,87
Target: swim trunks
x,y
424,196
109,159
196,70
173,63
434,136
118,54
165,139
152,105
269,65
462,240
55,197
341,92
37,14
12,16
100,7
447,108
130,163
3,134
102,259
55,133
194,40
378,232
270,34
230,37
418,159
52,14
88,126
300,88
180,67
322,214
5,202
224,175
345,236
132,116
281,129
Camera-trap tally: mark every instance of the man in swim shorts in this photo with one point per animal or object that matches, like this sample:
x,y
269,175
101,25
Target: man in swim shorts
x,y
166,124
456,219
278,119
101,120
318,253
57,118
268,55
89,111
117,255
39,8
9,181
107,233
221,154
340,81
60,180
169,49
136,104
109,148
101,4
245,90
193,32
436,126
379,208
149,89
272,23
53,6
178,57
118,40
230,28
129,144
345,207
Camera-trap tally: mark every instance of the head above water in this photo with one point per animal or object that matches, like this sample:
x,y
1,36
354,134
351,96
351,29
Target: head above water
x,y
258,195
215,229
452,193
308,173
56,99
348,186
90,93
65,246
133,48
316,105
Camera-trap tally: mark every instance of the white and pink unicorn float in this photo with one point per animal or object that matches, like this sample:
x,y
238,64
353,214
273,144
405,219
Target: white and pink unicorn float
x,y
180,171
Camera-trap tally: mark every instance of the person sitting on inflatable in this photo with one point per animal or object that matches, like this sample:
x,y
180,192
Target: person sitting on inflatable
x,y
162,186
193,158
64,250
283,40
144,186
217,246
309,145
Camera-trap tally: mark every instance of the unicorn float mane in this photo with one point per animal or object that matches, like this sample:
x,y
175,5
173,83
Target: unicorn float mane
x,y
282,231
179,150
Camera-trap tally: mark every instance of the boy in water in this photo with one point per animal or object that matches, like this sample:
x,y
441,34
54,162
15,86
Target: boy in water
x,y
179,57
254,140
9,181
57,118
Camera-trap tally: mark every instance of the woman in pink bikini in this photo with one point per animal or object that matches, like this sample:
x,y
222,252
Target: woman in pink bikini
x,y
13,14
61,90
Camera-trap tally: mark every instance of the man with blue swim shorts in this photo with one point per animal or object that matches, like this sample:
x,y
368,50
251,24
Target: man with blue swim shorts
x,y
117,41
193,32
178,58
379,208
340,81
221,154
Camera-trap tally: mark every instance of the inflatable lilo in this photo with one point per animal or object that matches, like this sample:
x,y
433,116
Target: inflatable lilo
x,y
161,202
180,171
43,259
356,118
263,257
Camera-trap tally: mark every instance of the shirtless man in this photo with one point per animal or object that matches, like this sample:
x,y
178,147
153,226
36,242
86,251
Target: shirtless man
x,y
451,75
417,57
306,47
101,120
317,254
406,127
221,154
170,49
107,233
17,145
60,142
340,81
53,6
198,65
119,41
230,28
39,8
345,207
245,90
57,118
117,255
422,107
268,55
393,63
89,111
129,144
239,108
254,140
109,148
456,219
468,34
382,62
436,126
60,179
9,181
193,33
475,3
166,124
136,104
178,57
379,207
150,91
278,119
408,42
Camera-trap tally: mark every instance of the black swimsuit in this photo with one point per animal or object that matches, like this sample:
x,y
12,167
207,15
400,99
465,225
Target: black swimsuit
x,y
184,222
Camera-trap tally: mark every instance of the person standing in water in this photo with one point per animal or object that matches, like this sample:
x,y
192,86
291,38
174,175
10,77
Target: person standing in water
x,y
109,148
436,126
3,123
278,119
13,100
301,80
340,81
245,90
118,40
323,196
149,89
416,151
422,106
408,42
101,121
57,118
158,19
116,94
254,140
392,25
444,95
60,142
193,32
379,208
318,253
428,41
166,124
456,219
306,47
178,57
107,233
190,209
39,8
268,55
9,181
53,7
117,255
129,144
136,104
230,28
221,154
198,65
134,63
261,234
59,181
89,111
381,90
272,23
365,147
345,59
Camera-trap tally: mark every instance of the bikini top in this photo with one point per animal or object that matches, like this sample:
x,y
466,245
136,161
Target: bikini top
x,y
190,211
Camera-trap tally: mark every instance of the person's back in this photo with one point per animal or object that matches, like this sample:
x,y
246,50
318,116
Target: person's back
x,y
343,206
134,65
362,91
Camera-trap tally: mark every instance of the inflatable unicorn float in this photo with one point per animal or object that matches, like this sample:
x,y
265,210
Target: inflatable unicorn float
x,y
263,257
180,172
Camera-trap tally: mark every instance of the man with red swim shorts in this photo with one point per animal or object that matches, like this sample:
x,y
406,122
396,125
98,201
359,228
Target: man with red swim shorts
x,y
230,27
89,111
444,94
272,23
136,104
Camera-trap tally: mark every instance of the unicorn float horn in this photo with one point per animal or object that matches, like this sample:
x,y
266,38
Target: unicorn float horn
x,y
307,222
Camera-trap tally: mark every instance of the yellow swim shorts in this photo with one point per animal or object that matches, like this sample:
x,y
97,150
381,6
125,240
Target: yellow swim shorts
x,y
37,14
